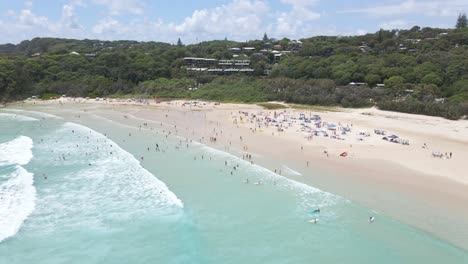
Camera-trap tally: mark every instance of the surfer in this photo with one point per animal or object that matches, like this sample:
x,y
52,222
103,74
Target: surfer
x,y
315,221
371,219
246,181
315,211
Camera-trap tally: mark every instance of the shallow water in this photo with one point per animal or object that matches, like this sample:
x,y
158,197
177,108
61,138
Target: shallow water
x,y
96,201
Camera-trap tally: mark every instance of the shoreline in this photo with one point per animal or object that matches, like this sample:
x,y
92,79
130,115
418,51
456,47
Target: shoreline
x,y
394,188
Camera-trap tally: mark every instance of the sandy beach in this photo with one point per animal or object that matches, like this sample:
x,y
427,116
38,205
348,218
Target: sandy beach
x,y
405,182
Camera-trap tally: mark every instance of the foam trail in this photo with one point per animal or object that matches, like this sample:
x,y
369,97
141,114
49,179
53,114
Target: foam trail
x,y
39,114
149,179
310,197
17,117
290,171
117,161
17,202
17,151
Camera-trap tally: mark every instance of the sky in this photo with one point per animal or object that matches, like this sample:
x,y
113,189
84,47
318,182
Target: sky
x,y
196,21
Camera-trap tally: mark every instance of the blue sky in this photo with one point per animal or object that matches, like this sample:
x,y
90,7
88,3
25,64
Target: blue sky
x,y
195,21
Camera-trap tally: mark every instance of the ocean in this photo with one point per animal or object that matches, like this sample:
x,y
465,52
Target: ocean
x,y
93,190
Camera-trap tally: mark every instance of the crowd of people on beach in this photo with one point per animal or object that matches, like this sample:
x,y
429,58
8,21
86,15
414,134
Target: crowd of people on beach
x,y
310,125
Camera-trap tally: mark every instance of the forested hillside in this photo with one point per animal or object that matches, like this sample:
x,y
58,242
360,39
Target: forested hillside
x,y
421,70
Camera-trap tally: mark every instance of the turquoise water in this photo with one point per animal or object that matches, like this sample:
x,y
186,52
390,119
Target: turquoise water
x,y
72,194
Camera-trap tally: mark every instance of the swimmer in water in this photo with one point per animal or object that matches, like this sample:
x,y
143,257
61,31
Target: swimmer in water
x,y
371,219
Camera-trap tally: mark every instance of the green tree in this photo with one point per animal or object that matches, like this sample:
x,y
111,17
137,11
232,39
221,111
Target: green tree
x,y
179,43
461,21
265,37
432,78
394,81
427,90
395,84
372,79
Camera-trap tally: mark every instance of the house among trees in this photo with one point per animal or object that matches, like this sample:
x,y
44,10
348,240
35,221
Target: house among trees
x,y
214,66
357,84
364,48
199,62
295,45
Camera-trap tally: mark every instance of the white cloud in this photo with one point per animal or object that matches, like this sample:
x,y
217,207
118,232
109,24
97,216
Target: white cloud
x,y
296,22
25,24
361,32
106,25
69,18
117,7
67,11
27,18
394,24
240,19
10,12
28,4
430,7
300,2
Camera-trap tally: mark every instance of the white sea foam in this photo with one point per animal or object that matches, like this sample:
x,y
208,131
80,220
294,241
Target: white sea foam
x,y
289,171
135,175
17,151
114,187
310,197
34,113
17,201
17,117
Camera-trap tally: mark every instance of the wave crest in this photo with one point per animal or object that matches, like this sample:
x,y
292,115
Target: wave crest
x,y
18,151
17,201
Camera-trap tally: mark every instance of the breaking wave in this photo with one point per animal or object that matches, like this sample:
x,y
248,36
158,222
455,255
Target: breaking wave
x,y
17,192
17,151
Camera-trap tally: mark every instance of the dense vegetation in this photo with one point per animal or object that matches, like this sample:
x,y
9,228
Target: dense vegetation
x,y
425,70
